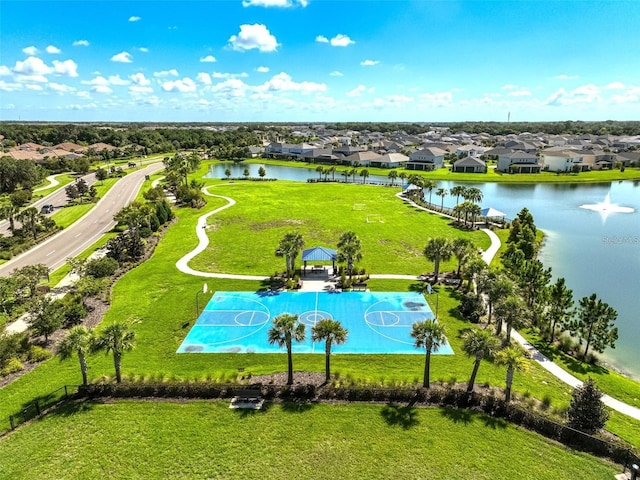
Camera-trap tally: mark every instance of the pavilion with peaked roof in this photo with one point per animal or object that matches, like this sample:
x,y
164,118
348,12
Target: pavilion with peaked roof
x,y
319,254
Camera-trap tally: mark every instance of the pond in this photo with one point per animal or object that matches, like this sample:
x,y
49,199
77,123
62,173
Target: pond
x,y
593,251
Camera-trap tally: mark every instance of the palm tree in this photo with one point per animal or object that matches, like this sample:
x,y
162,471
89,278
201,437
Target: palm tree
x,y
475,212
437,249
429,185
81,341
430,335
287,329
319,169
331,332
462,248
474,267
364,173
30,218
458,191
402,176
511,312
499,288
10,212
289,248
332,170
117,338
442,192
513,358
354,172
392,176
349,250
458,210
478,344
473,195
346,174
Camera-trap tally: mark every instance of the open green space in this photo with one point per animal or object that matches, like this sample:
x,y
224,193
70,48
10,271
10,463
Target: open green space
x,y
444,174
68,215
393,233
63,179
207,440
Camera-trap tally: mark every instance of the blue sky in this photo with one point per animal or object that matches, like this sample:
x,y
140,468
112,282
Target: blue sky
x,y
319,60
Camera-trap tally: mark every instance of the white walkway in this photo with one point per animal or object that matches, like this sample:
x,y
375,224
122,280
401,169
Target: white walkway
x,y
52,183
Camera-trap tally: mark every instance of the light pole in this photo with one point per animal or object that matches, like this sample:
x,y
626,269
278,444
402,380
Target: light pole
x,y
205,288
430,291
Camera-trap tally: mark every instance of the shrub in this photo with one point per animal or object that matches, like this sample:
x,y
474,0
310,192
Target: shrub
x,y
101,267
472,307
12,365
74,312
586,411
38,354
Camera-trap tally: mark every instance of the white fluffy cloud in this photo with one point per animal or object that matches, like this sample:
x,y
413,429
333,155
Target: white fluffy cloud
x,y
60,88
81,43
101,89
140,79
30,51
566,77
262,69
122,57
359,90
614,86
32,66
4,70
184,86
584,94
116,80
113,80
322,39
67,68
229,75
283,82
143,49
275,3
208,59
336,73
52,49
254,36
33,86
203,77
369,63
165,73
133,18
139,89
438,99
521,92
341,40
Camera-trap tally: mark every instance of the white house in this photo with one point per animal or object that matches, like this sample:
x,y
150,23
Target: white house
x,y
561,160
390,160
470,165
362,158
518,162
426,159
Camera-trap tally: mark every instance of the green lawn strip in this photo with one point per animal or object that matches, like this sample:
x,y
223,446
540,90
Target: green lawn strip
x,y
266,211
624,427
444,174
63,179
146,185
68,215
137,439
618,386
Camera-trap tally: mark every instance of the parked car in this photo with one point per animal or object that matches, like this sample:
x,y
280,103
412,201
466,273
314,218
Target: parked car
x,y
132,164
46,209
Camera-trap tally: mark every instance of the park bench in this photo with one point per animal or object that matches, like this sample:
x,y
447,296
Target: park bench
x,y
247,398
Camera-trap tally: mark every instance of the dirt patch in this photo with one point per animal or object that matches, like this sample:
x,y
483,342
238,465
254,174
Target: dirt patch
x,y
258,227
299,378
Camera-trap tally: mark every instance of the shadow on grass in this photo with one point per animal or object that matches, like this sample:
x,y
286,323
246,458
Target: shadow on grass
x,y
72,407
249,412
404,417
458,415
572,364
495,423
296,406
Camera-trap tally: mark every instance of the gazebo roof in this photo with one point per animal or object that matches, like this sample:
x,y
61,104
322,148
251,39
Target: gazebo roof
x,y
492,212
318,254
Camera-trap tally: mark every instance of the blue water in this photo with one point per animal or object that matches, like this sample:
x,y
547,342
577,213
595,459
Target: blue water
x,y
377,322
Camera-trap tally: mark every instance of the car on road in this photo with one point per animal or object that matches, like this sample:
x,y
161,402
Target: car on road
x,y
47,208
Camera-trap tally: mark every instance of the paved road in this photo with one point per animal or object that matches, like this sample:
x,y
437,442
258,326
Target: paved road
x,y
86,231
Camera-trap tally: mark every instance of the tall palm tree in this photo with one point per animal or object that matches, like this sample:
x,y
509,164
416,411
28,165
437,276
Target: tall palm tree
x,y
474,211
333,172
512,313
364,173
117,339
442,192
430,335
458,191
287,329
331,332
402,176
462,248
349,250
9,212
289,248
513,358
346,174
80,340
429,185
320,170
437,249
478,344
499,288
30,218
473,194
392,176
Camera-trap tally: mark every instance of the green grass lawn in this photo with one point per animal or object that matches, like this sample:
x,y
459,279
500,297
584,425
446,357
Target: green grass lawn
x,y
68,215
491,176
266,211
63,179
128,439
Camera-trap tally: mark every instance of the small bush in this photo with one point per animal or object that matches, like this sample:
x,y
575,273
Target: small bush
x,y
38,354
12,365
546,402
101,267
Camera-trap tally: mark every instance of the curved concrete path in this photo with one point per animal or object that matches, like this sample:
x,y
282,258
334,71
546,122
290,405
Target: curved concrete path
x,y
487,256
52,183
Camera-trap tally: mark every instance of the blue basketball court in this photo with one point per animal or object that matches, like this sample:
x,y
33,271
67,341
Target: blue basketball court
x,y
378,322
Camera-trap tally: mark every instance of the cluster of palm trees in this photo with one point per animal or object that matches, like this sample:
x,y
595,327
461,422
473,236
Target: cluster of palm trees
x,y
442,249
326,171
290,247
287,328
82,341
30,218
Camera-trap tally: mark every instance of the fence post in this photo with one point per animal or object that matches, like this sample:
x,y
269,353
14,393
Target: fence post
x,y
37,407
66,395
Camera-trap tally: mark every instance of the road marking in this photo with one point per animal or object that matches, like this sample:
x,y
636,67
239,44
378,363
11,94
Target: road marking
x,y
50,253
78,235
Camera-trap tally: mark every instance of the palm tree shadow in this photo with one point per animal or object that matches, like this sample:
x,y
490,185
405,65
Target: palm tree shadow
x,y
296,406
397,415
458,415
495,423
72,407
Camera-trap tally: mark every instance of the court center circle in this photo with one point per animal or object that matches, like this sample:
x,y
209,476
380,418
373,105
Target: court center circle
x,y
313,316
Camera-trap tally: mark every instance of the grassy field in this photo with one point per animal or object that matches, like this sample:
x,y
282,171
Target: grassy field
x,y
70,214
63,179
129,439
491,176
266,211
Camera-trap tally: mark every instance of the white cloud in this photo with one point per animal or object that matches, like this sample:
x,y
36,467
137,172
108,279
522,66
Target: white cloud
x,y
32,86
52,49
274,3
32,66
67,68
203,77
254,36
438,99
566,77
359,90
336,73
208,59
341,40
59,87
522,92
81,43
283,82
4,70
509,86
30,50
140,89
101,89
140,79
96,81
584,94
185,85
134,19
116,80
322,39
230,75
231,88
10,87
395,101
262,69
369,63
122,57
166,73
614,86
143,49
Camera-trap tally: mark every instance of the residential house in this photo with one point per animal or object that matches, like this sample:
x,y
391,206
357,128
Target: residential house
x,y
470,151
518,162
254,152
427,159
362,158
390,160
70,147
599,159
555,160
469,165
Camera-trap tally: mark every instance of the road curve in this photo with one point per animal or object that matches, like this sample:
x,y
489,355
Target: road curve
x,y
73,240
